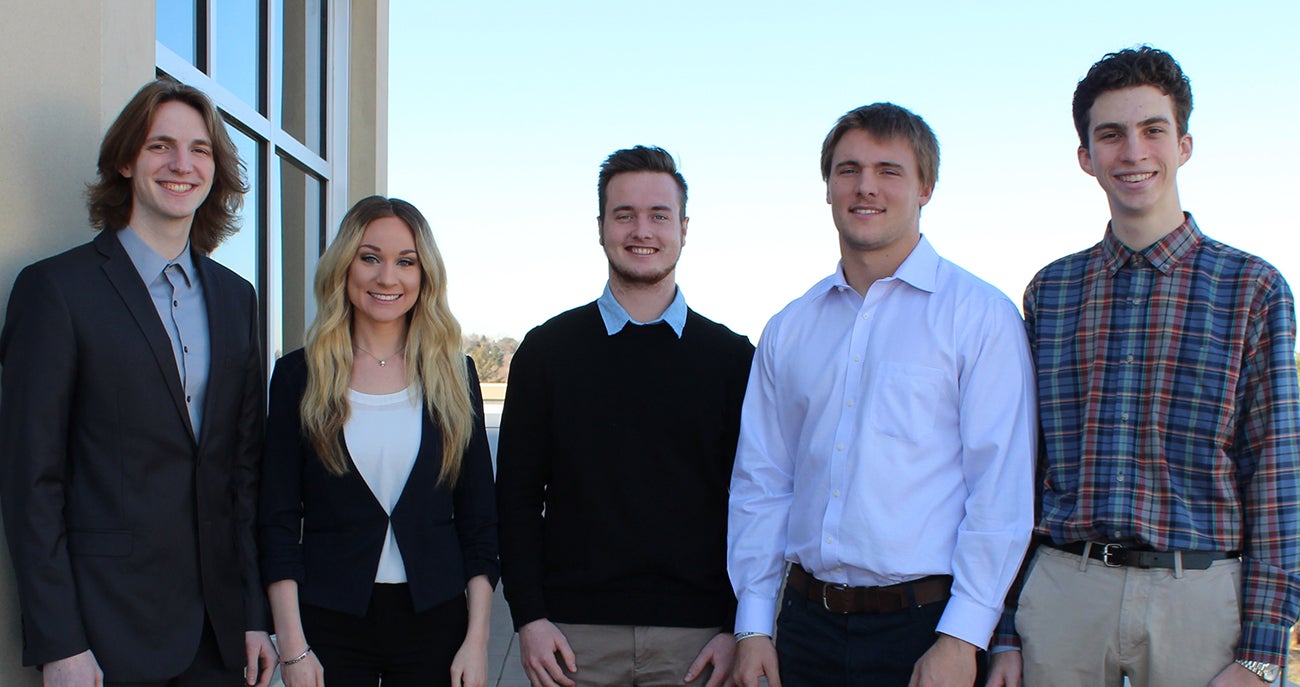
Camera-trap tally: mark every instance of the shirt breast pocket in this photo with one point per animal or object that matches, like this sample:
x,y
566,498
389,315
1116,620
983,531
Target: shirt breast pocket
x,y
904,400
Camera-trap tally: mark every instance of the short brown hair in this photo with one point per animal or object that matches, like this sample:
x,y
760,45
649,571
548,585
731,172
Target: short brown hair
x,y
638,159
109,198
887,121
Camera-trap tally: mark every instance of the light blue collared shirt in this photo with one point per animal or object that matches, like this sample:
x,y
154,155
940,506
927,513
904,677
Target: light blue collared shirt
x,y
616,317
177,295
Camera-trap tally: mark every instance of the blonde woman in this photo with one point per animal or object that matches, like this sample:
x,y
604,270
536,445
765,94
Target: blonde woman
x,y
378,522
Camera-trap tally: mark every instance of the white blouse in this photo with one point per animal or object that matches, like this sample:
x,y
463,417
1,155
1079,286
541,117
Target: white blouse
x,y
383,438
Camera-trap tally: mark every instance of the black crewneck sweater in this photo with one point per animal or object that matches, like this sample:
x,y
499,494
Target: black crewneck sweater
x,y
627,441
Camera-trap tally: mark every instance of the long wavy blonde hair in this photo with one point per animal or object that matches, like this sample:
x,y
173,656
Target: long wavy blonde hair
x,y
433,342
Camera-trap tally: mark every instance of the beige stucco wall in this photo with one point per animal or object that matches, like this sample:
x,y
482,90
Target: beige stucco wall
x,y
67,68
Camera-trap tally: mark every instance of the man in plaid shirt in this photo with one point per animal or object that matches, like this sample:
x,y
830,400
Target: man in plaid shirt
x,y
1169,469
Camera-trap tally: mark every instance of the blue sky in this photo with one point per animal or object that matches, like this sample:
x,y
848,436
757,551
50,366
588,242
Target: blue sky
x,y
501,112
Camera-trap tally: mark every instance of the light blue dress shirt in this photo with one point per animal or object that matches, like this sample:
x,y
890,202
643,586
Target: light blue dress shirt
x,y
177,294
616,317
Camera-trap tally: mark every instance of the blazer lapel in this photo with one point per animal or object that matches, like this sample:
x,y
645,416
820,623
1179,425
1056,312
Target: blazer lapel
x,y
126,280
220,333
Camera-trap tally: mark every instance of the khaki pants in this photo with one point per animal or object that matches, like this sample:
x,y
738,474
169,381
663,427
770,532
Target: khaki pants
x,y
639,656
1083,624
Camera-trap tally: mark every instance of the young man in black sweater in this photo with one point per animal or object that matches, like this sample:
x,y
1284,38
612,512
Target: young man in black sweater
x,y
616,446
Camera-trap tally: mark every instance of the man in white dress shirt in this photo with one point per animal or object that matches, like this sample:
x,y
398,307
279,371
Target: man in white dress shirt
x,y
886,444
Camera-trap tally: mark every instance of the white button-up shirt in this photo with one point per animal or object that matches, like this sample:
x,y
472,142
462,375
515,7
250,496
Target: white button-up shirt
x,y
888,438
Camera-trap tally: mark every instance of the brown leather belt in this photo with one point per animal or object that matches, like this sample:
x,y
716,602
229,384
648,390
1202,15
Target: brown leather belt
x,y
1120,555
838,598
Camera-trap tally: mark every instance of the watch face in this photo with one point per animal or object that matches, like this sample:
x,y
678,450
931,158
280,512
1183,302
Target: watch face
x,y
1270,672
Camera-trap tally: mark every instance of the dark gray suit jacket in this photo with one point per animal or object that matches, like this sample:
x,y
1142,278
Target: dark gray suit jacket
x,y
124,527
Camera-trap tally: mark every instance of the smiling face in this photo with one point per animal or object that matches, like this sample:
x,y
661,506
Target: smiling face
x,y
172,174
875,195
642,229
384,277
1134,150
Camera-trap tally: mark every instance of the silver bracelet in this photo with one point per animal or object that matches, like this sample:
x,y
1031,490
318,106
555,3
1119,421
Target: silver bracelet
x,y
300,658
746,635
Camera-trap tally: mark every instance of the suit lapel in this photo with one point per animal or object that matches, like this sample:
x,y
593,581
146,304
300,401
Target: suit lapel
x,y
131,289
217,301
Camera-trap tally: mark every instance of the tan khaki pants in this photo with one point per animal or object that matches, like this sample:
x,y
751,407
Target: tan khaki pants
x,y
1083,624
637,656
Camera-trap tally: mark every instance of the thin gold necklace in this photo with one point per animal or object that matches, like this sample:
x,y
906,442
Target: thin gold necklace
x,y
383,362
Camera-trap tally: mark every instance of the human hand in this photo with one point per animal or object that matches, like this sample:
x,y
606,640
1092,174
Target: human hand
x,y
720,651
469,667
949,662
1236,675
260,658
539,642
755,658
305,673
1005,669
78,670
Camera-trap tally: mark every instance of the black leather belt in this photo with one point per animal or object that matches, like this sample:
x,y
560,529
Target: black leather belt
x,y
839,598
1123,555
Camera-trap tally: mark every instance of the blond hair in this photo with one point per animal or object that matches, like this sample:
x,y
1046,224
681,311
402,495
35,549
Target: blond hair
x,y
433,356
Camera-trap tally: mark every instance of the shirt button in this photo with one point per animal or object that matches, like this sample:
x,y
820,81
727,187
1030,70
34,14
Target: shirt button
x,y
839,447
1128,358
866,316
850,403
189,398
1119,478
857,358
838,569
836,493
829,540
1116,535
186,349
1123,416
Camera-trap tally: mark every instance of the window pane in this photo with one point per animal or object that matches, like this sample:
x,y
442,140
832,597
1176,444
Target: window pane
x,y
236,48
177,27
299,63
303,232
242,251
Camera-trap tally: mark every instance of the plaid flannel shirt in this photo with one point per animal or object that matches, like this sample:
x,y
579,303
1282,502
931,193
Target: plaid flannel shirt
x,y
1170,415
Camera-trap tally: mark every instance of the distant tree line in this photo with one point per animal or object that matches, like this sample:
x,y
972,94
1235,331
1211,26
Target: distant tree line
x,y
491,356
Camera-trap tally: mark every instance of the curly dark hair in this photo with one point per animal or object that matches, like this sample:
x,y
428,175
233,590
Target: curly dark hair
x,y
109,198
1130,68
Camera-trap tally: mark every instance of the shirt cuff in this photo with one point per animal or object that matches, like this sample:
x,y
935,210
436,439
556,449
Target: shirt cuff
x,y
968,621
1263,642
755,614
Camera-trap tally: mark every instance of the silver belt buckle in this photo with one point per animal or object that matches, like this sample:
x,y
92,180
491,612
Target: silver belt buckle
x,y
1110,552
826,586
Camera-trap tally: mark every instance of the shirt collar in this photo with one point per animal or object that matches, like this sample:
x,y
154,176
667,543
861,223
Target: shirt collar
x,y
919,270
149,262
616,317
1163,255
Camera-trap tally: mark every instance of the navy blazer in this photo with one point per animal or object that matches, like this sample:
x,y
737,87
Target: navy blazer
x,y
446,536
124,527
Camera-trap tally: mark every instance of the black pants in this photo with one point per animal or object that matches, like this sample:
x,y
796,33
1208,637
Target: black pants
x,y
817,648
390,641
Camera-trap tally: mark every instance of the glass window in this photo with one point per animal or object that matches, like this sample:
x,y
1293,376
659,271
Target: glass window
x,y
301,226
178,28
300,59
237,48
242,251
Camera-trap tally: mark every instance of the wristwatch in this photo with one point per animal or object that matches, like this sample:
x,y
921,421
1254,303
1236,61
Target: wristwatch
x,y
1267,672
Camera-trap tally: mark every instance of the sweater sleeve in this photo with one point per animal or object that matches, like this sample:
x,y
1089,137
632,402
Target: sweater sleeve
x,y
473,497
523,471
